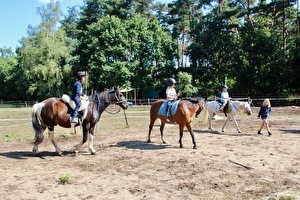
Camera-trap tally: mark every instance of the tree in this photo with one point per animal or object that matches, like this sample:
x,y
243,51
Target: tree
x,y
42,57
185,86
8,63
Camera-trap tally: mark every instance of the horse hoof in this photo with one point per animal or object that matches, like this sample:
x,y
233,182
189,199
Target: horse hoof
x,y
76,152
149,141
164,142
60,154
94,153
181,146
194,147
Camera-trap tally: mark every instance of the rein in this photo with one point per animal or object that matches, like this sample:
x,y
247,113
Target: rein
x,y
112,113
235,107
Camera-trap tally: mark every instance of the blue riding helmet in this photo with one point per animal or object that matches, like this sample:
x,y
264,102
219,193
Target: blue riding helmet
x,y
171,80
224,86
80,74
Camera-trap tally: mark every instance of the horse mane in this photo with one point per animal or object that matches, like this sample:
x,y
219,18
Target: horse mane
x,y
192,100
104,95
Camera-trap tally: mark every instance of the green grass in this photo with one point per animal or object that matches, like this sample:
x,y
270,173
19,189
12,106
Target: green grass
x,y
15,124
286,195
64,179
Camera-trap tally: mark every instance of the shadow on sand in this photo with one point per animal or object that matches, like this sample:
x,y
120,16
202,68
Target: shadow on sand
x,y
289,131
222,133
142,145
28,154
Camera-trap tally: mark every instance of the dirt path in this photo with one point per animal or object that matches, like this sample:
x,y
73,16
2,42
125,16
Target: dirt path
x,y
225,165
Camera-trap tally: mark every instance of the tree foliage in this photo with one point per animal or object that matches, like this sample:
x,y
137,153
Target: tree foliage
x,y
252,46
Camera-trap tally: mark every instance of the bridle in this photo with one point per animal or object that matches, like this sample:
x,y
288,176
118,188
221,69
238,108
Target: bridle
x,y
245,110
200,109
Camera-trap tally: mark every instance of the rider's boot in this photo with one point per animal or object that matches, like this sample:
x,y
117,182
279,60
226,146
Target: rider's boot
x,y
74,118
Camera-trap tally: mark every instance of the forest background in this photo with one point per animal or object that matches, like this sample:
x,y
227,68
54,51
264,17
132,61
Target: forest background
x,y
252,46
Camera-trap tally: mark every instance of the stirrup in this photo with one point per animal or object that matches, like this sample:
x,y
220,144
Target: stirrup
x,y
74,120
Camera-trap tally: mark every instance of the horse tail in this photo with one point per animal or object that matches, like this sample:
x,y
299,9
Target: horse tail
x,y
205,114
37,123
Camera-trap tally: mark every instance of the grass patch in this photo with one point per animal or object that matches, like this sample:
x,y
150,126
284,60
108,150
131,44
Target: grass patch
x,y
286,195
64,179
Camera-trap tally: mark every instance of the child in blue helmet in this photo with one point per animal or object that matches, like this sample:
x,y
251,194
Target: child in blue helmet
x,y
171,94
224,97
77,94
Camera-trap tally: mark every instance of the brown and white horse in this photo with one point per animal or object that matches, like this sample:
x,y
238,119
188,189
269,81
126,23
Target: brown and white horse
x,y
183,117
53,111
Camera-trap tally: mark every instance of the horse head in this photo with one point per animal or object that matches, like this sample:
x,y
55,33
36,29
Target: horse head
x,y
119,98
201,104
247,108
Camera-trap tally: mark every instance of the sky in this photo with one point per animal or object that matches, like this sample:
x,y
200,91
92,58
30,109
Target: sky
x,y
17,15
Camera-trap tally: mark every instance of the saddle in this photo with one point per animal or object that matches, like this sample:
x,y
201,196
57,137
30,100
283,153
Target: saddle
x,y
67,99
173,108
227,108
84,104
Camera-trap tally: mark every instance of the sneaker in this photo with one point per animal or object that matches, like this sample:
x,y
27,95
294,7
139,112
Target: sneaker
x,y
269,133
259,133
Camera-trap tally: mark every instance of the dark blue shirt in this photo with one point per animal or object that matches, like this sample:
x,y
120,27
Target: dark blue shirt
x,y
77,90
264,112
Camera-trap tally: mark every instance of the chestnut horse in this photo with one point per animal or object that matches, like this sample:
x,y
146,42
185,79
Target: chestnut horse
x,y
53,111
183,117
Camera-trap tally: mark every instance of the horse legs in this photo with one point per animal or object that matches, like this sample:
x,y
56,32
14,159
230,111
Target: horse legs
x,y
181,128
189,127
162,126
51,137
210,123
39,137
91,142
84,139
223,127
85,132
152,120
237,126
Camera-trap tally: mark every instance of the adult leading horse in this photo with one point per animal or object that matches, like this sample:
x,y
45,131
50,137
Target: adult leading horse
x,y
212,108
53,111
183,116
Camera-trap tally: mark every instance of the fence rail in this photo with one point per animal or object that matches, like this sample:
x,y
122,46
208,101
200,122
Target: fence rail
x,y
256,101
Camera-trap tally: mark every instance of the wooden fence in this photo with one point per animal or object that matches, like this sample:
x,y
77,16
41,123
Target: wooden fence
x,y
255,101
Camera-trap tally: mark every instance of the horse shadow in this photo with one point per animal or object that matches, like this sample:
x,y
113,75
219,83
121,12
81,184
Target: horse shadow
x,y
289,131
20,155
205,131
222,133
141,145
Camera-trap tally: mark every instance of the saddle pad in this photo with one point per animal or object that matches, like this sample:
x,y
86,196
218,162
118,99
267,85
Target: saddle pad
x,y
67,99
163,108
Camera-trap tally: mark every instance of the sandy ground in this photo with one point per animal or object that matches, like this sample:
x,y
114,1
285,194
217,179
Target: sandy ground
x,y
226,165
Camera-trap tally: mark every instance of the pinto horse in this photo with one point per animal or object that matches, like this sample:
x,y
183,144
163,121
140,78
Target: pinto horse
x,y
212,108
183,117
53,111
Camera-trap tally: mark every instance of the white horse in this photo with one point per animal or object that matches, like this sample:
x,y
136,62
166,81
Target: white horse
x,y
212,108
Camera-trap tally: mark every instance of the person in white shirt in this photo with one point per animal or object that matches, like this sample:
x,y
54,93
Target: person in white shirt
x,y
171,95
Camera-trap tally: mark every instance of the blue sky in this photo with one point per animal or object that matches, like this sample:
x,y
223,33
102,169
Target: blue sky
x,y
16,15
